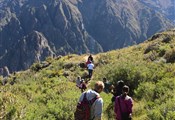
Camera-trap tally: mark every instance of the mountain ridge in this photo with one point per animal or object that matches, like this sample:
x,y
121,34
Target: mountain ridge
x,y
77,26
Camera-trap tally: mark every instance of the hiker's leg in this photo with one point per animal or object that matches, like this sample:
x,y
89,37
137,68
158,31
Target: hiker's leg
x,y
90,73
82,90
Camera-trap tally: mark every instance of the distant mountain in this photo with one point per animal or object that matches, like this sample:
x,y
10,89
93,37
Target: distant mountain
x,y
31,30
31,48
120,22
165,7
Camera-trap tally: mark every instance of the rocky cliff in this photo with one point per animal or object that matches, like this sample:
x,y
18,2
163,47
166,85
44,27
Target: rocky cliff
x,y
31,30
165,7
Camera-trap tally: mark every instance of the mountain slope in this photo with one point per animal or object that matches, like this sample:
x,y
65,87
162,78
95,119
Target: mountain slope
x,y
167,8
120,22
49,92
32,48
74,26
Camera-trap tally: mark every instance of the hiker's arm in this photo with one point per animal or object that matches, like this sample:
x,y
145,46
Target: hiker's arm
x,y
98,109
130,105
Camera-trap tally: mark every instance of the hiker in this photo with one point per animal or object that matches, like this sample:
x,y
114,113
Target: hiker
x,y
108,86
90,58
117,89
83,86
78,81
96,106
88,62
123,105
90,68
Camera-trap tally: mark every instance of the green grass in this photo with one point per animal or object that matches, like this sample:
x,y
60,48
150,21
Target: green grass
x,y
50,93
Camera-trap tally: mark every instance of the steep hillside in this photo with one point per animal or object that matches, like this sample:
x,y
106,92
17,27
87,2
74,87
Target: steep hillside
x,y
165,7
47,90
120,22
59,22
73,26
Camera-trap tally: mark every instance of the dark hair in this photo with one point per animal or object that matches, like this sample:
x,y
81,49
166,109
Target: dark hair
x,y
125,88
120,83
104,79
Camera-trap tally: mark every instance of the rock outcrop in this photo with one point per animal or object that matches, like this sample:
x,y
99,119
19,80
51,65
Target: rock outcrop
x,y
31,30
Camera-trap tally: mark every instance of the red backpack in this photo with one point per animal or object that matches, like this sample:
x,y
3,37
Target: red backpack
x,y
83,109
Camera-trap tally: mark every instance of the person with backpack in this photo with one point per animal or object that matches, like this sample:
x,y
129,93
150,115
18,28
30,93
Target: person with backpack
x,y
90,104
90,67
123,105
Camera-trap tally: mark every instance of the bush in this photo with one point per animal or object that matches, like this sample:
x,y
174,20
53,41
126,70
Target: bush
x,y
36,67
151,48
170,56
167,39
145,90
155,115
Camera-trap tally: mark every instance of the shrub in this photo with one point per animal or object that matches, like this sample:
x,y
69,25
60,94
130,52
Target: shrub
x,y
162,51
145,90
151,48
155,115
167,39
170,56
68,65
155,36
36,67
171,115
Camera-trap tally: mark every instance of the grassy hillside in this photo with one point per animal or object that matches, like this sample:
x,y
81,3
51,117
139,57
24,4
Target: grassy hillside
x,y
47,90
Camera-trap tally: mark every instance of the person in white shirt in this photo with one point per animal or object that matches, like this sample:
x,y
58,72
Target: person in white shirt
x,y
78,81
97,106
90,67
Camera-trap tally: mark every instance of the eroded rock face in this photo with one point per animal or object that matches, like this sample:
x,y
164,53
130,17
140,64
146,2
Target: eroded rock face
x,y
166,7
31,30
121,22
31,48
4,71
